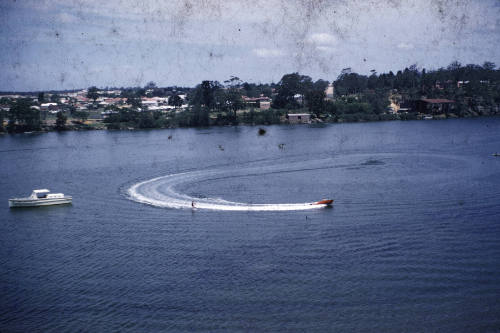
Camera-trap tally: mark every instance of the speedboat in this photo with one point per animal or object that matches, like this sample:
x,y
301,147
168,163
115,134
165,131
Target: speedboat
x,y
41,198
326,202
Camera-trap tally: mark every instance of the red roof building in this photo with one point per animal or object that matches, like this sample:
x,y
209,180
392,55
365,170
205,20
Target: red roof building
x,y
434,105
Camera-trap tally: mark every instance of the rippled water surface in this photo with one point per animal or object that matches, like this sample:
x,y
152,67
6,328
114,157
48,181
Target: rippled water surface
x,y
411,244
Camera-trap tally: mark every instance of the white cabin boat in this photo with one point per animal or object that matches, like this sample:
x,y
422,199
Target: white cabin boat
x,y
41,198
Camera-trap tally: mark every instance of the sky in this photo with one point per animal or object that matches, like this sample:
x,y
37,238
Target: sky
x,y
73,44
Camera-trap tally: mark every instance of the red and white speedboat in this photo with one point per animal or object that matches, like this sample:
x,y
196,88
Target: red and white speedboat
x,y
326,202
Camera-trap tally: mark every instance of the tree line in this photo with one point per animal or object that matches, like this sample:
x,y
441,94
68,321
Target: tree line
x,y
473,87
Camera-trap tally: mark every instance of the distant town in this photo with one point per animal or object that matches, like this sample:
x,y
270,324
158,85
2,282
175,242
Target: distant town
x,y
412,93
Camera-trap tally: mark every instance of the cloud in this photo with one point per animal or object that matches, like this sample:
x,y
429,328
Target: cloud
x,y
323,39
67,18
328,49
405,46
268,53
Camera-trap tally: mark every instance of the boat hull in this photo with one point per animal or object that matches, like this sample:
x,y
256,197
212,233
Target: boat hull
x,y
27,202
327,202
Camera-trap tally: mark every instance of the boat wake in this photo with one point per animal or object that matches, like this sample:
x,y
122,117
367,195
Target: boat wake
x,y
161,192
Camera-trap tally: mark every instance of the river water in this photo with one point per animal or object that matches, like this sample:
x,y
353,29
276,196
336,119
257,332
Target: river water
x,y
411,243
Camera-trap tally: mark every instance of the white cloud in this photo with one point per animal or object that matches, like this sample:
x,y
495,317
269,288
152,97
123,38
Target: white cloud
x,y
268,53
328,49
323,39
67,18
405,46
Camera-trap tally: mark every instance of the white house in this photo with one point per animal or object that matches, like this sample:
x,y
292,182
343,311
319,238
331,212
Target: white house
x,y
48,106
148,103
329,92
265,105
298,118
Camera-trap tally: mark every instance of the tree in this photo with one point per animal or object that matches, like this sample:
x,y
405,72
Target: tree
x,y
134,101
54,98
92,93
489,66
82,115
200,116
146,120
207,93
233,82
22,117
232,101
140,92
127,92
253,90
345,71
456,69
175,100
378,100
2,115
350,83
150,89
61,121
204,94
320,85
372,80
289,86
316,101
71,109
249,89
150,85
41,97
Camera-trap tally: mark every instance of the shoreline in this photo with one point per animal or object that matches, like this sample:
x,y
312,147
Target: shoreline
x,y
92,127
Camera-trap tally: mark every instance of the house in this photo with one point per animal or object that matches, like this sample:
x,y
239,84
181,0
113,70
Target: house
x,y
265,105
434,105
114,100
299,98
49,106
149,102
329,92
161,100
107,113
115,92
298,118
405,107
255,101
161,108
81,98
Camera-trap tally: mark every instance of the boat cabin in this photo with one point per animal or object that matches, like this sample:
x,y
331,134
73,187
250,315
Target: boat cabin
x,y
45,194
39,194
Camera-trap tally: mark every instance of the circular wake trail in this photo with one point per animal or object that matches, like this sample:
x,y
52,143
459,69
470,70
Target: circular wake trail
x,y
160,192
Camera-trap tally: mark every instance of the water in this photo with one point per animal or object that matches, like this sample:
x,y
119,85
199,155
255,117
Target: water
x,y
410,245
